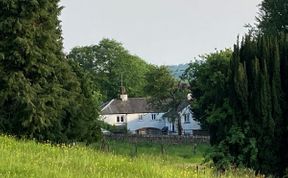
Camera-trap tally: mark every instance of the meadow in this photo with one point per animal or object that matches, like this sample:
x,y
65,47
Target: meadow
x,y
25,158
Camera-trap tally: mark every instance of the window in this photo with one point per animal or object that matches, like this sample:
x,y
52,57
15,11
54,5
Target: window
x,y
141,117
186,118
120,119
153,116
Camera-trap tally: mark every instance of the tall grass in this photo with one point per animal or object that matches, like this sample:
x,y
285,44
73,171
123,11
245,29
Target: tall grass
x,y
31,159
176,153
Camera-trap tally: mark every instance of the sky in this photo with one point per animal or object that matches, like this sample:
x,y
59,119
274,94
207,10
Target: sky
x,y
162,32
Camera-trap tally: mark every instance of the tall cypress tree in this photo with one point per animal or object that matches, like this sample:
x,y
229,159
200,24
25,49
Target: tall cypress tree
x,y
264,118
283,49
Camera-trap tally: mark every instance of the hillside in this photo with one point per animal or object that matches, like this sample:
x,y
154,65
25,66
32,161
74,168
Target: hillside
x,y
30,159
177,70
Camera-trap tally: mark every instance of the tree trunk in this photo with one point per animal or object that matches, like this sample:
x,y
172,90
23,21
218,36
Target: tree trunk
x,y
179,125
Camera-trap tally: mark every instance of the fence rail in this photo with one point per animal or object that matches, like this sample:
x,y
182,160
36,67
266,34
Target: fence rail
x,y
167,139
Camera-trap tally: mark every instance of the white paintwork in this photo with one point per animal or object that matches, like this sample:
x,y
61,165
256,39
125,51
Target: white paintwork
x,y
144,120
187,127
138,121
191,125
112,119
124,97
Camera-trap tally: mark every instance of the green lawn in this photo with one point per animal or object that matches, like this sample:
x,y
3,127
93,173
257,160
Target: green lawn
x,y
31,159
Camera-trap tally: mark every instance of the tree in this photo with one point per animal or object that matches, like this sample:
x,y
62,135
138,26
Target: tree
x,y
84,110
38,90
260,56
108,62
166,93
273,16
240,98
247,118
211,86
208,79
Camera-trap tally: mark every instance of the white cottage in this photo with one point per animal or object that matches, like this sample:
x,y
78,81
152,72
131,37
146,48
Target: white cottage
x,y
141,118
188,123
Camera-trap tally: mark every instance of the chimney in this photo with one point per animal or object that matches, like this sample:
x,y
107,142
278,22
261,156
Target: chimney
x,y
124,97
123,94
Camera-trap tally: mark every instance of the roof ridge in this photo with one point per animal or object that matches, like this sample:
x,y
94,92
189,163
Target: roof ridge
x,y
134,105
133,98
107,104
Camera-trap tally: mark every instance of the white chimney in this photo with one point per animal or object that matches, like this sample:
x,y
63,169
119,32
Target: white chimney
x,y
124,97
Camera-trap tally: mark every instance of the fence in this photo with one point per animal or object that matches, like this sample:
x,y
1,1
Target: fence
x,y
167,139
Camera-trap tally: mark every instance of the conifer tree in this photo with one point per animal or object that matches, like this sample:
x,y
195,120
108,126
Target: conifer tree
x,y
261,58
38,89
273,17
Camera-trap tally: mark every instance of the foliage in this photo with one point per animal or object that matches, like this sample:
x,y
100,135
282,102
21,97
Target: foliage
x,y
38,89
166,93
209,81
258,96
83,122
160,85
249,125
273,16
210,86
240,98
108,62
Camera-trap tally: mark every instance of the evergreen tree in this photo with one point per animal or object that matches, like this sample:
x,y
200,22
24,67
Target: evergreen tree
x,y
38,89
247,118
273,17
283,51
261,58
250,128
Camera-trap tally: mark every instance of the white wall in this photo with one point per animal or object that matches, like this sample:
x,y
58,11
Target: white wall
x,y
191,125
137,121
112,119
144,120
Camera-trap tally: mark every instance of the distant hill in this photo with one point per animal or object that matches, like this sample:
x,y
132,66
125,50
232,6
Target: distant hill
x,y
178,70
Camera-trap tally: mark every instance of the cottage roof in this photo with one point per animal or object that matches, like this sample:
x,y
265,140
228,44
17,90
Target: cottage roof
x,y
132,105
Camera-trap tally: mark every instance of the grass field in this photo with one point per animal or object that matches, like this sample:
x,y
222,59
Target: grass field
x,y
182,153
31,159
